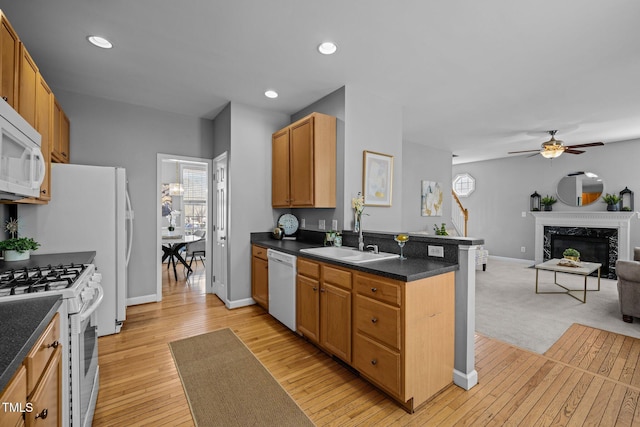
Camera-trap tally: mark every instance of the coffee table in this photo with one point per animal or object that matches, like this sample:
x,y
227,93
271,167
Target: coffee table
x,y
584,269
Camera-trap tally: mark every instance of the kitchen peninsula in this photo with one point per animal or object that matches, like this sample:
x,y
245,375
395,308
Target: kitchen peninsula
x,y
391,320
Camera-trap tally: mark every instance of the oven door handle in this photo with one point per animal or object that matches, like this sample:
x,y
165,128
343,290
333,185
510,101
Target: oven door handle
x,y
89,311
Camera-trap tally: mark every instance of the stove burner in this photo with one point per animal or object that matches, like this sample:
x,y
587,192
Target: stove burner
x,y
39,279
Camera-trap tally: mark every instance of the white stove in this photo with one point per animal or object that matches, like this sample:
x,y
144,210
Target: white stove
x,y
79,286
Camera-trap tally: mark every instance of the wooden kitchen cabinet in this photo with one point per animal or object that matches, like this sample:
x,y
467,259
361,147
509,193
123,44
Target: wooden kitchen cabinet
x,y
304,163
28,84
15,394
44,378
44,125
323,310
9,55
335,311
404,335
61,135
37,385
46,401
260,276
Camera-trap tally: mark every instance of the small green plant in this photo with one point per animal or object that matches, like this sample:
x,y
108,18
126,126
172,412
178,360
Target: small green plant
x,y
548,200
19,244
570,252
440,231
611,199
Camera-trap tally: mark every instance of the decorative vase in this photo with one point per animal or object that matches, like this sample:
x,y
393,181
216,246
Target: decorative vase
x,y
10,255
171,228
548,208
612,208
357,222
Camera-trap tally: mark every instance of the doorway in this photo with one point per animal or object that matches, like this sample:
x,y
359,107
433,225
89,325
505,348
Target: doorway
x,y
183,213
220,227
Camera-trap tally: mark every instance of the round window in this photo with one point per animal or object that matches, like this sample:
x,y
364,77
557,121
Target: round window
x,y
464,184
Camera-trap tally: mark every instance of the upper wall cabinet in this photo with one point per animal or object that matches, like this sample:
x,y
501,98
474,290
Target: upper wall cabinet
x,y
60,148
304,163
24,88
9,53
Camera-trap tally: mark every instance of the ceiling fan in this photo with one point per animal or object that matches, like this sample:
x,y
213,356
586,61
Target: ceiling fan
x,y
554,147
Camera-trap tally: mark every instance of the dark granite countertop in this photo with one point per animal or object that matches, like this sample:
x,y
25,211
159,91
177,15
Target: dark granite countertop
x,y
23,322
408,270
46,259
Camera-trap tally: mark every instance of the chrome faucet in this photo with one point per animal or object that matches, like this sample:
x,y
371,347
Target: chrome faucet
x,y
374,248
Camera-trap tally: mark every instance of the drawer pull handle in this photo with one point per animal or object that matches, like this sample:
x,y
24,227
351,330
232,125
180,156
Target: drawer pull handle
x,y
54,344
374,320
315,289
43,414
374,289
374,362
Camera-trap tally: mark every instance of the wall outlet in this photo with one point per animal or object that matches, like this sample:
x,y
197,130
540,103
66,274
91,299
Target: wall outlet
x,y
436,251
524,214
303,223
523,249
321,224
334,224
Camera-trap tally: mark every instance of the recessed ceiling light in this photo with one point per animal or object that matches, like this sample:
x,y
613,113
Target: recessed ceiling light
x,y
271,94
327,48
100,42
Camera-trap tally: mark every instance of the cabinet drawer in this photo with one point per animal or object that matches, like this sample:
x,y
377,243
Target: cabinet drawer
x,y
377,288
336,276
46,397
308,268
41,352
378,320
378,363
15,394
259,252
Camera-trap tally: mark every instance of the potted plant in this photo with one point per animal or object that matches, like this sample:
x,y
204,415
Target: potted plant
x,y
612,201
17,248
571,254
548,201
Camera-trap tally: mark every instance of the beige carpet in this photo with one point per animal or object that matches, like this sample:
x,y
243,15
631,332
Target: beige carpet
x,y
508,309
227,386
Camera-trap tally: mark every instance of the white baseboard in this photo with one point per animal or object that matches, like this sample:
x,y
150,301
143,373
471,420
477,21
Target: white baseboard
x,y
240,303
518,260
145,299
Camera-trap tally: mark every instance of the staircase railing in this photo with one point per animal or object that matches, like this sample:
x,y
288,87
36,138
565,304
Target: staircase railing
x,y
459,215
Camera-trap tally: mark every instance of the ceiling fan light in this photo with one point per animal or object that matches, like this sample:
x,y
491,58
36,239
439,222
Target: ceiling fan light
x,y
551,153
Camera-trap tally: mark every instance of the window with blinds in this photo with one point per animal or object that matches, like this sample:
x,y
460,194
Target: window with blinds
x,y
194,183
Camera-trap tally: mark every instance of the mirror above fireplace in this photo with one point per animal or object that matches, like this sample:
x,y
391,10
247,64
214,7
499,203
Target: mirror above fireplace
x,y
580,188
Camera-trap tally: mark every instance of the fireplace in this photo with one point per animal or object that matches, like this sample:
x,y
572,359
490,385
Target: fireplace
x,y
594,227
594,245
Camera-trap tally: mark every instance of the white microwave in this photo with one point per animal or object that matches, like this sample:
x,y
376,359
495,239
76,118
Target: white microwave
x,y
22,165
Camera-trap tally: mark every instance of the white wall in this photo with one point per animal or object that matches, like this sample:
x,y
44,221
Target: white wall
x,y
372,124
249,189
503,187
109,133
429,164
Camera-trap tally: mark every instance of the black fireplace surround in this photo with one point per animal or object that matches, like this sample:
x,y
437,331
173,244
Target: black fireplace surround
x,y
594,244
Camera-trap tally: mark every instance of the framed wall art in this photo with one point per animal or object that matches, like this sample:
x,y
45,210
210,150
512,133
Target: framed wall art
x,y
432,198
377,177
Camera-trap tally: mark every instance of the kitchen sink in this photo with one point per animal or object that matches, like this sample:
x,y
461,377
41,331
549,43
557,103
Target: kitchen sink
x,y
347,254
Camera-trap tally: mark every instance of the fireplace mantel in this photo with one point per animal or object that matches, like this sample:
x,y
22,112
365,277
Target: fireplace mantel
x,y
618,220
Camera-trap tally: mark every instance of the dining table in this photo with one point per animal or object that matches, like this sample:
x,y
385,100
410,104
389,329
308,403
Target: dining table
x,y
172,244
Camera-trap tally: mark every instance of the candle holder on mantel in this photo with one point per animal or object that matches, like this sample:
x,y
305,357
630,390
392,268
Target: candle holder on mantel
x,y
626,200
535,202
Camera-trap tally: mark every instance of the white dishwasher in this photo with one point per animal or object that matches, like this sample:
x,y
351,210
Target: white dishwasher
x,y
282,287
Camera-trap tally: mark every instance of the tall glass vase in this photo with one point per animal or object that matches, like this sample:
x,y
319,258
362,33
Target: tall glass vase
x,y
357,223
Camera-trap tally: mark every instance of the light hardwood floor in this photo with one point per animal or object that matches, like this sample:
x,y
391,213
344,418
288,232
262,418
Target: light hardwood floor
x,y
589,377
